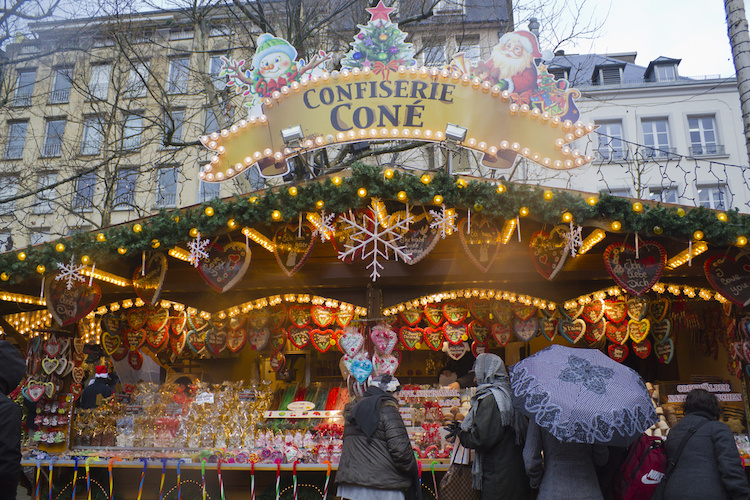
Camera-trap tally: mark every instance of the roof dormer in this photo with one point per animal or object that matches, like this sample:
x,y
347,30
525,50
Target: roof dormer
x,y
662,69
608,73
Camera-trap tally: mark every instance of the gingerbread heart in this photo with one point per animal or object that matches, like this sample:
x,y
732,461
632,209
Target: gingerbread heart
x,y
78,344
384,364
50,389
454,334
299,337
618,352
419,239
52,347
157,339
237,335
593,311
549,251
637,330
454,312
278,339
300,316
177,342
637,307
664,351
49,365
501,334
642,349
433,313
276,316
433,337
196,339
503,312
322,316
76,390
481,309
225,266
157,318
216,340
121,351
62,366
572,311
548,326
661,330
522,312
292,246
113,323
257,318
359,368
457,351
135,360
77,374
136,317
635,271
64,345
257,338
277,361
595,331
527,329
481,242
69,305
148,278
321,339
477,348
658,309
410,336
617,332
573,330
135,338
351,341
383,338
34,391
344,316
479,331
411,317
615,310
110,343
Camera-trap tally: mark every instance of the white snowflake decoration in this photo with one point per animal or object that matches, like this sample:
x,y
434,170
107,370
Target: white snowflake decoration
x,y
375,241
443,221
70,273
325,225
573,239
198,250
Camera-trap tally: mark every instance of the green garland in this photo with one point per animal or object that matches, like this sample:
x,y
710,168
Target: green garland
x,y
171,228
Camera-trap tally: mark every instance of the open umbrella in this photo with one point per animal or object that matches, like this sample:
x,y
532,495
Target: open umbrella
x,y
582,396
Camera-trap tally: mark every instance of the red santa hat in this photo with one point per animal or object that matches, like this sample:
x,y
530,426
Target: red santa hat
x,y
528,40
101,371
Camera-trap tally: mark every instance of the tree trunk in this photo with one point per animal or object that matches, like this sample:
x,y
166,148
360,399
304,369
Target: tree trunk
x,y
740,42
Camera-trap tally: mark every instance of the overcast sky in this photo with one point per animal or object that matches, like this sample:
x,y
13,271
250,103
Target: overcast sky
x,y
694,31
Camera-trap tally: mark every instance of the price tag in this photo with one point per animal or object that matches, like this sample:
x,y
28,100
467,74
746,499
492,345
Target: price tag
x,y
204,397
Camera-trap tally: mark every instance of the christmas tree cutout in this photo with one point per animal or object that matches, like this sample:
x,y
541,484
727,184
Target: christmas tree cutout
x,y
380,45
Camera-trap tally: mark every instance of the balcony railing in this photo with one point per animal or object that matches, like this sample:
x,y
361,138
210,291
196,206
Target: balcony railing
x,y
13,153
90,148
166,199
59,96
707,150
99,91
609,154
52,150
131,143
656,153
22,100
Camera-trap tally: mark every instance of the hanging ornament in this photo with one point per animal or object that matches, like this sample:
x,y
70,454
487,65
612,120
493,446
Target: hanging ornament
x,y
198,249
383,37
70,273
573,239
444,221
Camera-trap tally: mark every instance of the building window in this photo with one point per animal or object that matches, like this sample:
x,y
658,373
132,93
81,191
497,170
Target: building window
x,y
217,30
703,136
664,195
78,229
99,82
125,188
8,190
167,193
665,73
433,54
6,241
181,34
621,192
178,75
91,142
469,45
173,122
83,198
655,138
220,82
559,73
39,236
137,79
61,86
16,140
449,7
131,131
24,88
46,193
211,123
53,138
608,75
208,191
611,146
712,197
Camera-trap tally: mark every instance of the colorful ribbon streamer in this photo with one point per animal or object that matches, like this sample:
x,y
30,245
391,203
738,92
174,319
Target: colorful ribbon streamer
x,y
88,478
75,479
143,476
419,474
109,469
221,481
252,481
294,478
203,477
50,479
278,478
434,479
328,478
38,474
179,483
163,473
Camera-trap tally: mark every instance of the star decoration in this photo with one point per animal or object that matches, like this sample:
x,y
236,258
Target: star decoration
x,y
380,12
198,249
70,273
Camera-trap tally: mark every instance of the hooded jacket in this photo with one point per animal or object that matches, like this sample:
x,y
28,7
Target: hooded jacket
x,y
12,369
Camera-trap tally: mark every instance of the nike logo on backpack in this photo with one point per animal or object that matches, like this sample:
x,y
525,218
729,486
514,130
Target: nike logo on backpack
x,y
652,477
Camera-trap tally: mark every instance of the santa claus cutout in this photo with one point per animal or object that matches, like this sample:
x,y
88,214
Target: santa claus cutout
x,y
513,61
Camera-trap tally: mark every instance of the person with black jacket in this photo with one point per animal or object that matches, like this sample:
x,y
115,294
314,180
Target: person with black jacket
x,y
99,386
709,466
11,374
377,461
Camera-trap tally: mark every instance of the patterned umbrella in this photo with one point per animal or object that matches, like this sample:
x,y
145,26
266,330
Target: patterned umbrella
x,y
582,396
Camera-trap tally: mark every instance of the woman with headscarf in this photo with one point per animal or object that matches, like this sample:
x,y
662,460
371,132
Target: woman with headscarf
x,y
495,431
377,461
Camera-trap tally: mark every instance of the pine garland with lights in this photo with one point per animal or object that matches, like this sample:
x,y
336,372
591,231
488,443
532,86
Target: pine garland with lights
x,y
499,201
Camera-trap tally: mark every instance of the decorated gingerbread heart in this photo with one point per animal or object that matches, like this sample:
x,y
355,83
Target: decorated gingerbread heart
x,y
292,246
110,342
548,326
573,330
383,338
642,349
277,361
618,352
216,339
351,341
664,351
299,337
661,329
257,338
455,334
360,368
615,310
481,309
593,311
433,337
322,316
384,364
658,309
617,332
457,351
321,339
501,333
226,265
549,251
455,313
410,336
595,331
525,330
479,331
411,316
481,242
69,305
419,239
477,348
278,339
637,330
635,270
433,313
237,335
300,316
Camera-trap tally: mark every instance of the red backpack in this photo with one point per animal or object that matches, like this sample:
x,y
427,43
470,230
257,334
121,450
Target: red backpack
x,y
642,470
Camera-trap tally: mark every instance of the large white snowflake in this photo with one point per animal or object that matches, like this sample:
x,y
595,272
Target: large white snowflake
x,y
573,239
375,241
198,250
70,273
444,221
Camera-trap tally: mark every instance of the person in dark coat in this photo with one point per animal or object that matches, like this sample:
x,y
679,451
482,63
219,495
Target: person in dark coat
x,y
709,467
377,461
98,386
495,431
562,471
457,373
11,374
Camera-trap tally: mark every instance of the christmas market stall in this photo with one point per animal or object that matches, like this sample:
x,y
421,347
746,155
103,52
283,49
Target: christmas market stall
x,y
234,332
